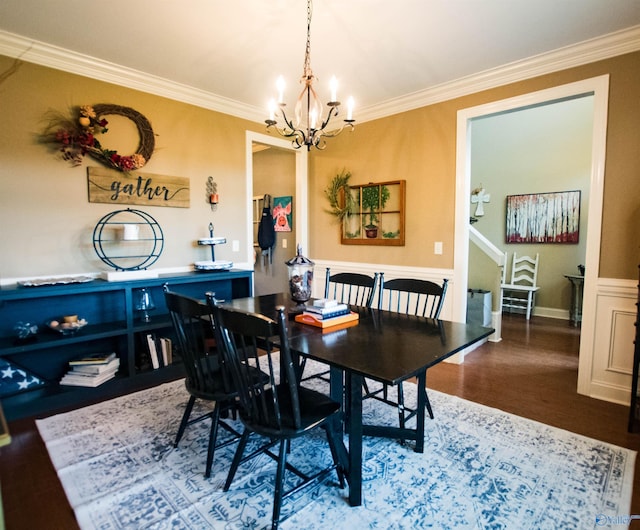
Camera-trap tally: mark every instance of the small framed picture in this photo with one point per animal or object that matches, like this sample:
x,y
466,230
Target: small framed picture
x,y
282,214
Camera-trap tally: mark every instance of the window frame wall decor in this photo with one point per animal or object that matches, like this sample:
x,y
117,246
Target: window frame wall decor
x,y
552,217
377,216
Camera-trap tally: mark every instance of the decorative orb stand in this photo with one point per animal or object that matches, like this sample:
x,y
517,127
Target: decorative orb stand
x,y
130,241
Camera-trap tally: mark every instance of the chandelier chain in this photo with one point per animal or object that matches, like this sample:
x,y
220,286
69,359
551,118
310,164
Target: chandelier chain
x,y
308,74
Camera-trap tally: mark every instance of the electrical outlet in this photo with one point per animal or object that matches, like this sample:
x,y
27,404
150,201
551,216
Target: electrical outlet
x,y
284,243
437,247
235,245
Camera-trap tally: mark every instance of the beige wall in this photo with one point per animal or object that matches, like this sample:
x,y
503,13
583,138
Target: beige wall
x,y
46,220
420,146
410,146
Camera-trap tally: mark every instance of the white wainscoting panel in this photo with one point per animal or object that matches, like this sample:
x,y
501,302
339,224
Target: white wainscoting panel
x,y
612,362
390,271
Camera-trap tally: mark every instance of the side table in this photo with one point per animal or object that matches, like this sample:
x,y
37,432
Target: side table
x,y
577,286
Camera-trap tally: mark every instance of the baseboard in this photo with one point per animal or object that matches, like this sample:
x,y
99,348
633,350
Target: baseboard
x,y
547,312
496,323
459,357
551,312
612,393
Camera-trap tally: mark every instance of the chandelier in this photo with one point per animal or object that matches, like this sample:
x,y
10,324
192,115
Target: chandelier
x,y
307,126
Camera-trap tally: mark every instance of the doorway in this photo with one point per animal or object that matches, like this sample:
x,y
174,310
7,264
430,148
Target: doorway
x,y
538,149
599,88
276,169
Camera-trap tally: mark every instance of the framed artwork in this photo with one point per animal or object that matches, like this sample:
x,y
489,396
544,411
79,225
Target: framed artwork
x,y
282,214
376,214
543,217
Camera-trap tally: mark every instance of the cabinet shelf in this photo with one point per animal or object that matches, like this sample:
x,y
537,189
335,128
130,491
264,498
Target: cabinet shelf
x,y
113,325
157,322
50,339
60,397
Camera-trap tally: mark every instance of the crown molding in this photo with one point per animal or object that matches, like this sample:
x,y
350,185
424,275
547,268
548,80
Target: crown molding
x,y
44,54
605,47
611,45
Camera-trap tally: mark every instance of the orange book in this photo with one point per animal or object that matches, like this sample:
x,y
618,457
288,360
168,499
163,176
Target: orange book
x,y
306,318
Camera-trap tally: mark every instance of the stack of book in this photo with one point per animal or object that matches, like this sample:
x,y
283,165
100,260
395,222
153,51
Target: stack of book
x,y
91,370
325,313
160,350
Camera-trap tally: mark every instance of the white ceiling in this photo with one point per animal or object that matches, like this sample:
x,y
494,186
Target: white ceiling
x,y
381,50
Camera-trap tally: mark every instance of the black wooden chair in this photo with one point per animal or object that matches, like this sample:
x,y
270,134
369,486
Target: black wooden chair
x,y
205,378
352,288
413,297
279,410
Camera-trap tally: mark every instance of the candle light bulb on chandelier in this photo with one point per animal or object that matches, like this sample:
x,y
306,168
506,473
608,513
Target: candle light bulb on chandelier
x,y
272,109
334,89
280,84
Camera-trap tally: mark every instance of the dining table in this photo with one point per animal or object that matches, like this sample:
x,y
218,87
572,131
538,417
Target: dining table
x,y
384,346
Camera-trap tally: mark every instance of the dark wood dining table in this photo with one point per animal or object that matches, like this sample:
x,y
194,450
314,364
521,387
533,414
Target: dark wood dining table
x,y
384,346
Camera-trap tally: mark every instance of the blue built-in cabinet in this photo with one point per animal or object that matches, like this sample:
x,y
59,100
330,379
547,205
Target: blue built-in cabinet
x,y
113,325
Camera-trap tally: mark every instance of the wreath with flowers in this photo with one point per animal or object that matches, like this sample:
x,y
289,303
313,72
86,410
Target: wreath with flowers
x,y
76,137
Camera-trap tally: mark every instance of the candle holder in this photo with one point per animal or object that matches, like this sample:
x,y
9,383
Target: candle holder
x,y
144,304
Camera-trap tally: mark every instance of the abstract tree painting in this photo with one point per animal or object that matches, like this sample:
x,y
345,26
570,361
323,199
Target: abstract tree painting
x,y
543,217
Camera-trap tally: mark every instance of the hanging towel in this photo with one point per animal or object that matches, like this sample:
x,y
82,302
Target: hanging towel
x,y
266,230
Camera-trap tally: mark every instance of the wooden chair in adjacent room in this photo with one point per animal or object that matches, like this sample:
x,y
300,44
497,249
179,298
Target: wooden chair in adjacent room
x,y
205,378
520,292
412,297
280,410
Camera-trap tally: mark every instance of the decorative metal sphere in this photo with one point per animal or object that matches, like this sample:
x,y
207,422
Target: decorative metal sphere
x,y
128,240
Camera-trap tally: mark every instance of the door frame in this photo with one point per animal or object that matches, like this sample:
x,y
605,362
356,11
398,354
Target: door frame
x,y
300,201
598,87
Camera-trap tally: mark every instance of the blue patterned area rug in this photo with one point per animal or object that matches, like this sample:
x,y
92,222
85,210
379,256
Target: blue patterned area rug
x,y
482,468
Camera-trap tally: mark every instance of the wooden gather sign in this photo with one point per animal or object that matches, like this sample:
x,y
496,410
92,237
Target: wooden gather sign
x,y
134,187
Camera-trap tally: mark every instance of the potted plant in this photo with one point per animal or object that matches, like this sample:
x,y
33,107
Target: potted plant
x,y
374,199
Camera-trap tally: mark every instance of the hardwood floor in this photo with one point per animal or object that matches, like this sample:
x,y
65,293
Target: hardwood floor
x,y
532,372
